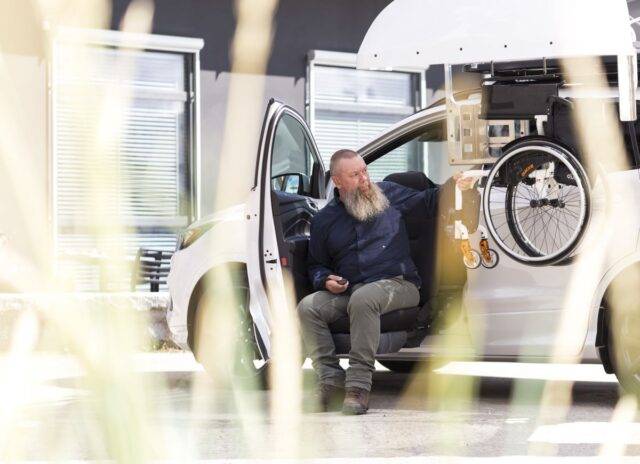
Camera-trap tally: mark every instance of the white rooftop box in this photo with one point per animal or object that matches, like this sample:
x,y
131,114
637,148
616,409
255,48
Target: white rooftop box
x,y
419,33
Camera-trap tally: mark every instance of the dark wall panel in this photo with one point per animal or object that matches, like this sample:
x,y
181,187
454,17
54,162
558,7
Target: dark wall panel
x,y
300,25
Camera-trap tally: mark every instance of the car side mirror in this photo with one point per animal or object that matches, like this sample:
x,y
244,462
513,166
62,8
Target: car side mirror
x,y
292,182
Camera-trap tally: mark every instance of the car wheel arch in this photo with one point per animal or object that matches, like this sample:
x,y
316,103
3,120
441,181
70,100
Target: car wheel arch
x,y
604,316
237,268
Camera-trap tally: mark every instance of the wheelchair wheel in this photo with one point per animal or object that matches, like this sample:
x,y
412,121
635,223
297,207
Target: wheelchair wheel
x,y
472,260
537,202
493,260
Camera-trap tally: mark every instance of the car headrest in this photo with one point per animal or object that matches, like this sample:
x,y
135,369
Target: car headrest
x,y
416,180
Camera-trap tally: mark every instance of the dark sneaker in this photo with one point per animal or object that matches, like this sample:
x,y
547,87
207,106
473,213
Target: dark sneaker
x,y
330,397
356,401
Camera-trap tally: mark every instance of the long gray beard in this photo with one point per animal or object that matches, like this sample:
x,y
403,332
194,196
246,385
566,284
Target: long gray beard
x,y
364,206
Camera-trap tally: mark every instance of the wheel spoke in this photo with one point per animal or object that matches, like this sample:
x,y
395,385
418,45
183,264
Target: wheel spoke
x,y
543,214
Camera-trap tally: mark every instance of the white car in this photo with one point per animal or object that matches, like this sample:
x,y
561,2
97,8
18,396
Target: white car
x,y
512,309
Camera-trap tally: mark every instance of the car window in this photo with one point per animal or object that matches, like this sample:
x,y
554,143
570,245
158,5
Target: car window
x,y
292,151
407,157
426,152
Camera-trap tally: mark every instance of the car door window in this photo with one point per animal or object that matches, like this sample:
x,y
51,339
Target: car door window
x,y
407,157
427,152
293,153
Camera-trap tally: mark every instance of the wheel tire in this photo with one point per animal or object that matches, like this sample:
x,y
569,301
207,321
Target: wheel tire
x,y
401,367
623,338
248,366
520,150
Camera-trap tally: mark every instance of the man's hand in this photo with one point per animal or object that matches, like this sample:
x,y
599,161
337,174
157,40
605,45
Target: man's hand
x,y
464,183
333,286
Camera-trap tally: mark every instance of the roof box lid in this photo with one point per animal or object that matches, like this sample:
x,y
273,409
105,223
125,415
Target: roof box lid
x,y
419,33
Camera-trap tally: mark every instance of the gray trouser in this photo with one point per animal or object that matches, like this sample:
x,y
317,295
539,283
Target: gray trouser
x,y
364,303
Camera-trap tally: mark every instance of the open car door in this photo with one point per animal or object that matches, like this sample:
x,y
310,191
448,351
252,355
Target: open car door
x,y
288,185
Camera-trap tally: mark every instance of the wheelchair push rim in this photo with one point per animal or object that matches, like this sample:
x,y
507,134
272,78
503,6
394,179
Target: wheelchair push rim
x,y
539,216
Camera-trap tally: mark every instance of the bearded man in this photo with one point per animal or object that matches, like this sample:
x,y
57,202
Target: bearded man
x,y
359,264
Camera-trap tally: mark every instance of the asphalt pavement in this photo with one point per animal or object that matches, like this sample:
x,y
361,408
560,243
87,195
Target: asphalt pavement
x,y
426,416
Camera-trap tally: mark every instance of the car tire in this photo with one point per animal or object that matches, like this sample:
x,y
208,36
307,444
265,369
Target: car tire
x,y
248,366
623,338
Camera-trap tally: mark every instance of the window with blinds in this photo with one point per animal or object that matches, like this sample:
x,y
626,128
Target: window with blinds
x,y
351,106
150,194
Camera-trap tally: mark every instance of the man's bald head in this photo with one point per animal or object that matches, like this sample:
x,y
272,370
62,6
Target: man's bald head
x,y
349,171
339,156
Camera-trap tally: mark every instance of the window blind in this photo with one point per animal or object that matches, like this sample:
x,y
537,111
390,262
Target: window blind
x,y
150,194
353,106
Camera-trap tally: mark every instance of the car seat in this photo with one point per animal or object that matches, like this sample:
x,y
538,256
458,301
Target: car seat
x,y
424,240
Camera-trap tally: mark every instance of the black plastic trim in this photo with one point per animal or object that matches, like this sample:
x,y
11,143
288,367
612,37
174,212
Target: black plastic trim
x,y
602,338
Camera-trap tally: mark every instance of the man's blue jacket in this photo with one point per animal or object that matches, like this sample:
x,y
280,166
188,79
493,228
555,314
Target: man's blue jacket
x,y
371,250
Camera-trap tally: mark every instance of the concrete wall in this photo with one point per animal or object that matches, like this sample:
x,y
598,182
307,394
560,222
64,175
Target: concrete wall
x,y
24,182
24,169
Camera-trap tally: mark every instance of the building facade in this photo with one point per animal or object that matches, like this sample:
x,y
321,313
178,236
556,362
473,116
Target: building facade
x,y
169,147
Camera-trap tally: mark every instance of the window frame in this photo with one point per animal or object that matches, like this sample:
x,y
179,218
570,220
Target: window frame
x,y
349,60
188,46
317,179
402,133
308,154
